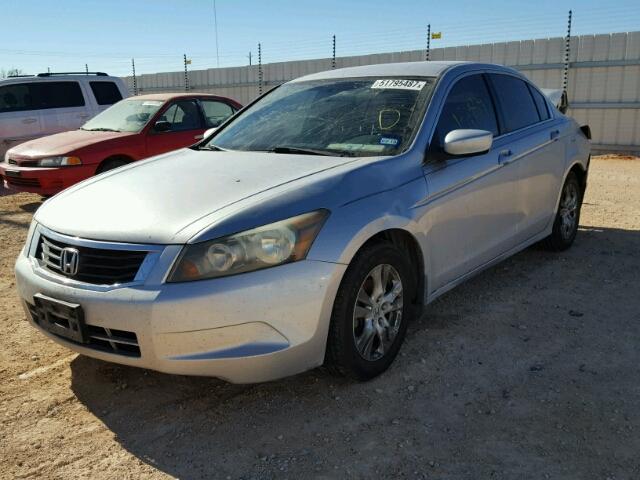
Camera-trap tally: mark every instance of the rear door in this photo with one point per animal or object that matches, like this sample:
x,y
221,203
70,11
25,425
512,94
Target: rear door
x,y
62,104
186,128
20,119
472,199
531,137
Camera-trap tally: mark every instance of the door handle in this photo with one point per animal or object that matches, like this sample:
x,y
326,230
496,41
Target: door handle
x,y
504,157
29,120
554,134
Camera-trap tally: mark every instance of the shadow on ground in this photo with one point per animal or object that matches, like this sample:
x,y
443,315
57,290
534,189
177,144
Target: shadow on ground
x,y
529,369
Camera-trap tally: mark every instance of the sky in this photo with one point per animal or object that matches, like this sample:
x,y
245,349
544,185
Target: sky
x,y
64,35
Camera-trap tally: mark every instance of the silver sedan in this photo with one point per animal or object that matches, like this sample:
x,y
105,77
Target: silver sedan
x,y
309,229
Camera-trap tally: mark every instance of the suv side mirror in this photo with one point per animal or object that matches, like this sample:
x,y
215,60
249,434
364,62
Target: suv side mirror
x,y
467,141
162,126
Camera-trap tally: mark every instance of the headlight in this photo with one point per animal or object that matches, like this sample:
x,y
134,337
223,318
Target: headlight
x,y
267,246
27,243
58,162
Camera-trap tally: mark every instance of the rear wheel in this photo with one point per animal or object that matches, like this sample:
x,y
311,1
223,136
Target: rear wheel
x,y
371,312
110,164
565,226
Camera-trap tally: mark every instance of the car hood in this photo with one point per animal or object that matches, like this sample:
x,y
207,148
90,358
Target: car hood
x,y
61,143
169,198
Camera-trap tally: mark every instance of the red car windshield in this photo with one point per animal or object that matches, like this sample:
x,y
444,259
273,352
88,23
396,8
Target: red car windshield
x,y
129,115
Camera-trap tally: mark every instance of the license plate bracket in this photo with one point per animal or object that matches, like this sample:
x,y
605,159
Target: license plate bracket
x,y
61,318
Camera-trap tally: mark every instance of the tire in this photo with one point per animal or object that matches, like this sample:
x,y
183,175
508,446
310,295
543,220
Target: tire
x,y
348,351
565,225
110,165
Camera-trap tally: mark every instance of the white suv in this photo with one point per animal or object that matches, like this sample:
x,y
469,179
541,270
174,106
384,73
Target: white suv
x,y
38,105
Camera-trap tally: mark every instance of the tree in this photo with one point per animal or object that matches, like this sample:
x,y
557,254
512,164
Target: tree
x,y
12,72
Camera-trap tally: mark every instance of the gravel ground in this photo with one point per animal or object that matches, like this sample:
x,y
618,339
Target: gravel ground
x,y
530,370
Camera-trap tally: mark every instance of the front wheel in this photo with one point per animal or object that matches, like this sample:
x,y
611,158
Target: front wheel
x,y
371,312
565,226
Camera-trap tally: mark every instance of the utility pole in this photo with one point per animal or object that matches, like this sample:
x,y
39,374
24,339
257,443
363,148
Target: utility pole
x,y
186,74
135,83
567,56
249,58
215,27
427,56
86,68
333,59
260,69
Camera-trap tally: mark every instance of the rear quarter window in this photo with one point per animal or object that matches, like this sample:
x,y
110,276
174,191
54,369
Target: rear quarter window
x,y
106,93
541,104
514,101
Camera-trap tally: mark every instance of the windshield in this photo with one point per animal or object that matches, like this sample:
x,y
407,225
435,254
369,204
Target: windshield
x,y
359,117
124,116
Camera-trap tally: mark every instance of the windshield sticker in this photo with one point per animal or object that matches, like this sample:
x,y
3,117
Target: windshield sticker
x,y
151,103
390,141
356,147
399,84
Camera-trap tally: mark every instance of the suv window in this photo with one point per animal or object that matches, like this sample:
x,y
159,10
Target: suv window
x,y
515,102
56,95
183,115
541,104
15,98
216,112
40,96
106,93
468,105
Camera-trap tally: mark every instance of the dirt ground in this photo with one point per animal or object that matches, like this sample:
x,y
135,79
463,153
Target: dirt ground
x,y
530,370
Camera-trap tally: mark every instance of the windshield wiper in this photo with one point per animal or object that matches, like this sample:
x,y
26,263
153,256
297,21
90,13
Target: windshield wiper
x,y
101,129
211,147
310,151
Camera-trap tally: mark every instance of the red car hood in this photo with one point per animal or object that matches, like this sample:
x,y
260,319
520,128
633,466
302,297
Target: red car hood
x,y
62,143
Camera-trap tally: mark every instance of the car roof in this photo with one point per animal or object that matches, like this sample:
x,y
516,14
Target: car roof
x,y
172,96
410,69
58,78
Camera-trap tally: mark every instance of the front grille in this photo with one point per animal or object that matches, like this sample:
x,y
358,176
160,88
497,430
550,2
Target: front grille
x,y
95,265
104,339
26,182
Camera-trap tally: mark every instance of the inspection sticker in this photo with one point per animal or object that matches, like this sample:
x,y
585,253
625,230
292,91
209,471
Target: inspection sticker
x,y
399,84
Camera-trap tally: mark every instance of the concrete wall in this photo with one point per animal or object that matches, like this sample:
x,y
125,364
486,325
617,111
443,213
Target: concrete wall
x,y
604,78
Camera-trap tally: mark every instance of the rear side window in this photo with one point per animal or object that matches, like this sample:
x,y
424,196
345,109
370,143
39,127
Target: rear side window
x,y
106,93
515,102
541,104
216,112
15,98
468,105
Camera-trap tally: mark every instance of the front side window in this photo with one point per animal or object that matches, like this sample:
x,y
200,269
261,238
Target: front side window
x,y
215,112
183,115
468,106
515,102
351,116
129,115
106,93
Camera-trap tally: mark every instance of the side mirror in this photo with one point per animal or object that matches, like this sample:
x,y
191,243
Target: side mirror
x,y
467,141
162,126
209,132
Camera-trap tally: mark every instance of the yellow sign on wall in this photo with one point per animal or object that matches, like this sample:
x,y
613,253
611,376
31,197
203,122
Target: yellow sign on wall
x,y
436,35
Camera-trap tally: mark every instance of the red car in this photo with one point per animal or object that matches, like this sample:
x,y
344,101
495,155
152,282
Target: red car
x,y
132,129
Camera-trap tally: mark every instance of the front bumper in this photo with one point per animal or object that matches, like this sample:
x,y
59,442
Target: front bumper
x,y
44,181
246,328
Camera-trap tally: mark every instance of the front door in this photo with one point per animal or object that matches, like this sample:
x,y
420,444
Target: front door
x,y
472,212
185,128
